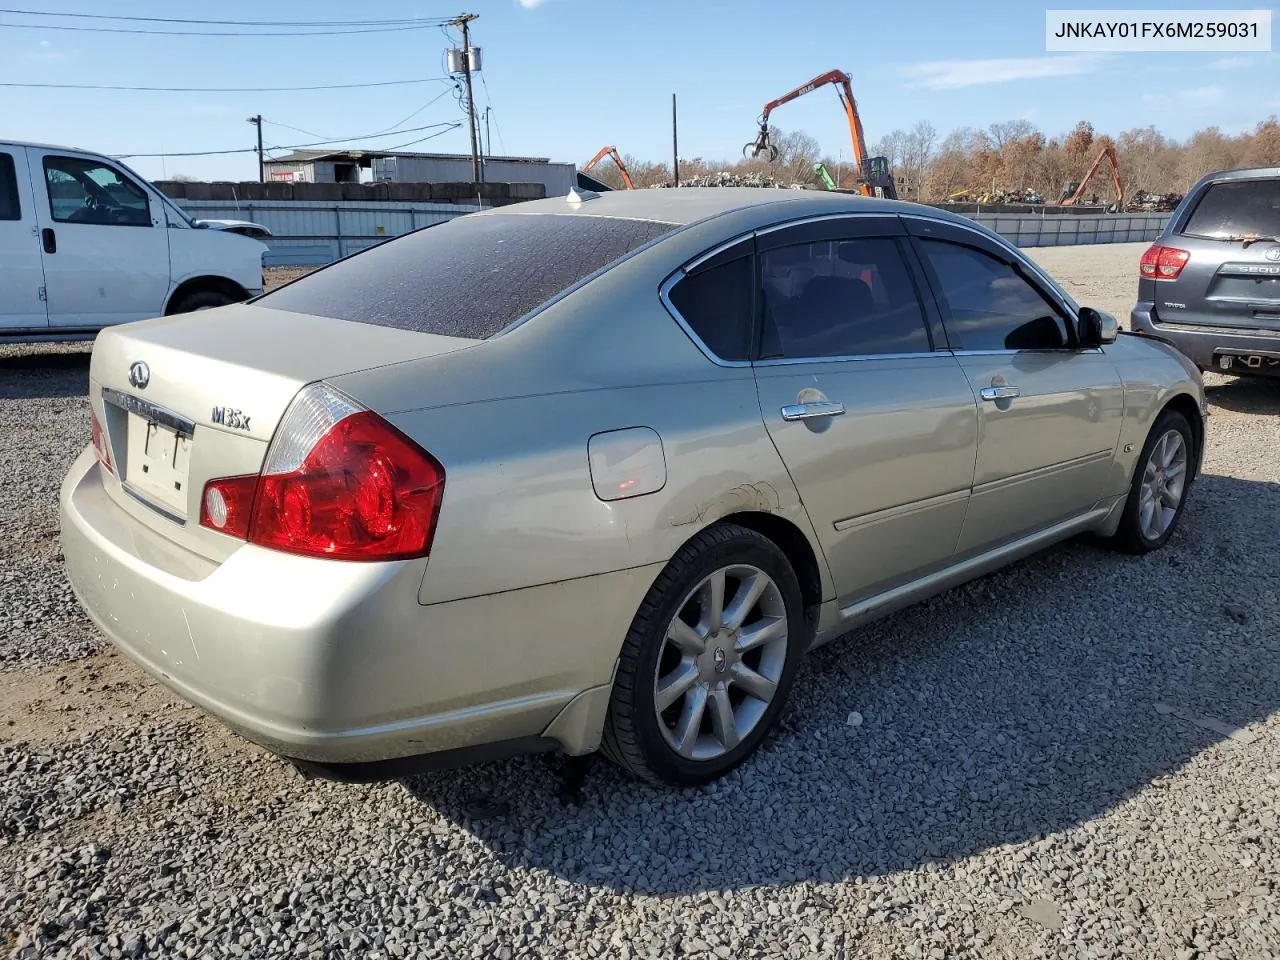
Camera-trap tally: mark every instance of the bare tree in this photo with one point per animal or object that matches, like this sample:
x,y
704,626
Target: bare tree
x,y
917,150
1009,130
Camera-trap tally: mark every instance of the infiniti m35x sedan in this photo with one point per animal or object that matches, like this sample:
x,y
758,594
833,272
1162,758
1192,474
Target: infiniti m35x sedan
x,y
594,472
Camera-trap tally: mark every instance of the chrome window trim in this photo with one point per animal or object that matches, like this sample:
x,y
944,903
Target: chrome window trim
x,y
714,252
853,357
1014,353
664,293
824,217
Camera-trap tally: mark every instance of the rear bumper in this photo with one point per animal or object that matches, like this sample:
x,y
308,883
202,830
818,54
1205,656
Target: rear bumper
x,y
1250,352
337,663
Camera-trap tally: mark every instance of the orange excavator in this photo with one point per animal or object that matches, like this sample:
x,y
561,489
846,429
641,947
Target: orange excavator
x,y
1075,196
874,178
622,167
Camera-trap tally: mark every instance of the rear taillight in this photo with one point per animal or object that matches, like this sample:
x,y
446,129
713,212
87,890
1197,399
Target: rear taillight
x,y
339,482
1163,263
100,441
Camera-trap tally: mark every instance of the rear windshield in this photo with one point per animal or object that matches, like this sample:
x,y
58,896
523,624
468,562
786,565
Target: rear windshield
x,y
467,277
1239,208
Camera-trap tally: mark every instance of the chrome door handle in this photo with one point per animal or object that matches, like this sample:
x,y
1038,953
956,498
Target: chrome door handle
x,y
810,411
999,393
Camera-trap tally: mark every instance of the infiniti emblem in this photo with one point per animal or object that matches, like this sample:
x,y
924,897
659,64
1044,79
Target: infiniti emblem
x,y
139,374
720,659
1273,253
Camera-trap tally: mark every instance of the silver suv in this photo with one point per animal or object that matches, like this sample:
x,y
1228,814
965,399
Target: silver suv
x,y
1210,284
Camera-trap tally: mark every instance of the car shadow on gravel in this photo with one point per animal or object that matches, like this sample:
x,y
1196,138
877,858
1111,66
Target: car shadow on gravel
x,y
34,376
1020,705
1259,395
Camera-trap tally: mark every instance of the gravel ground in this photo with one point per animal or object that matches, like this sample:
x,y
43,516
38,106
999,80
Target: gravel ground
x,y
1076,757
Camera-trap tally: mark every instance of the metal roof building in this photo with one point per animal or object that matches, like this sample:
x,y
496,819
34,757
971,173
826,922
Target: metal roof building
x,y
352,166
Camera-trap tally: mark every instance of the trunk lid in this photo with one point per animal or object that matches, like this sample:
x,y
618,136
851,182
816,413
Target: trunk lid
x,y
185,399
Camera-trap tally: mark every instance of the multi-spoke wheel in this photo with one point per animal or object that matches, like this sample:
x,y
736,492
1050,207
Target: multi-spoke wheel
x,y
1163,479
1160,486
708,659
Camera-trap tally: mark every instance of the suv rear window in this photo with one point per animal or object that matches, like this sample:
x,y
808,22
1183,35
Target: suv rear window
x,y
467,277
1237,208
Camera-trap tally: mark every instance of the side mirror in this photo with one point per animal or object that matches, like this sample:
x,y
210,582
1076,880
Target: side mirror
x,y
1096,327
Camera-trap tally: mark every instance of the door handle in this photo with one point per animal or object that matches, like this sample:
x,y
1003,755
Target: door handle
x,y
811,411
49,239
1000,393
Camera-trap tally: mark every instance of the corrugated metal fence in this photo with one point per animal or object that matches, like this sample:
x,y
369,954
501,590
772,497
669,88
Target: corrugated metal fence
x,y
314,232
1029,230
308,233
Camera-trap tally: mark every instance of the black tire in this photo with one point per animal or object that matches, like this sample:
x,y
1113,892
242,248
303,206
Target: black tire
x,y
1129,537
202,300
632,737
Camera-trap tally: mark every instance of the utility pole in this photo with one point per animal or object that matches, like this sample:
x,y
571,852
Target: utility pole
x,y
675,145
463,23
257,122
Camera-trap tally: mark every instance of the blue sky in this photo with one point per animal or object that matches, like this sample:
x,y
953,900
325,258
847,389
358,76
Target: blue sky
x,y
564,77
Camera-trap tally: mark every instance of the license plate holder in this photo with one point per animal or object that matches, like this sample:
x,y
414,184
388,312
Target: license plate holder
x,y
158,463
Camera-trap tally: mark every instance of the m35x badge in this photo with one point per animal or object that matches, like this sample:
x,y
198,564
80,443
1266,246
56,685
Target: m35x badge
x,y
235,419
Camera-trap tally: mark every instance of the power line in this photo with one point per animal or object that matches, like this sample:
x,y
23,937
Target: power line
x,y
296,146
442,93
394,128
216,33
400,146
230,23
489,100
327,86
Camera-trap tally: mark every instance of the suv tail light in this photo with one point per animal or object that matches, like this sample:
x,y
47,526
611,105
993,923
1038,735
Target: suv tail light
x,y
100,441
1163,263
338,482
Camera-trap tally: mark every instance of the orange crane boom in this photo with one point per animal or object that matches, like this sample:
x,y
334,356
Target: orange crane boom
x,y
617,160
872,171
1109,154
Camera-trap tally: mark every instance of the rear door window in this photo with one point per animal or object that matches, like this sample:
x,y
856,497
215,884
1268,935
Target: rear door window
x,y
840,298
468,277
1236,208
10,209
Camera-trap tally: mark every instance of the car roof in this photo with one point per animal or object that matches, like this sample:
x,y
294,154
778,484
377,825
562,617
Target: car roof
x,y
1251,173
49,146
687,205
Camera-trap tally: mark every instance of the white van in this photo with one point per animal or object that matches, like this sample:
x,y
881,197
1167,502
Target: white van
x,y
85,242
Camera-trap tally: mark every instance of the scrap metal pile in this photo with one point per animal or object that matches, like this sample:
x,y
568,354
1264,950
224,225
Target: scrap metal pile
x,y
1153,202
727,178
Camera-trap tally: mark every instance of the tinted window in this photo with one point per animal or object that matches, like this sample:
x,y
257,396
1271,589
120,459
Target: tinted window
x,y
839,298
991,306
86,191
9,207
1243,208
468,277
717,304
